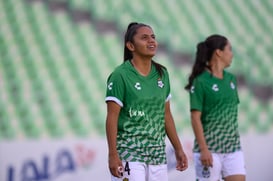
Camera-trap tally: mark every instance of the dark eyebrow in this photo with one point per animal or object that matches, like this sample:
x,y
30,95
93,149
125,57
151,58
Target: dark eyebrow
x,y
144,35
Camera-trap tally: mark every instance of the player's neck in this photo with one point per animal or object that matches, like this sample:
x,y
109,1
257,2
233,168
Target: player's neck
x,y
142,66
217,70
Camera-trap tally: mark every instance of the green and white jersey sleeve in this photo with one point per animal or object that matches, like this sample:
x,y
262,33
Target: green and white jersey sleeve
x,y
115,88
218,100
141,124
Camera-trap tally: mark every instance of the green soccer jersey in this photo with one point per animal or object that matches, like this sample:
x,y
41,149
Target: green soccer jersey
x,y
141,124
218,101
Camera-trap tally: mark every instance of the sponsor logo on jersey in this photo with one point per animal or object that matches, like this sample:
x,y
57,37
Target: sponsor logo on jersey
x,y
137,86
215,87
134,113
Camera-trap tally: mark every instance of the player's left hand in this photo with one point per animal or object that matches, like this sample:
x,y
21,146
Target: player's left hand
x,y
181,160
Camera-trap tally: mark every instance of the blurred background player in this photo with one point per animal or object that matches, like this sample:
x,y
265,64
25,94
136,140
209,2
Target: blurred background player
x,y
213,105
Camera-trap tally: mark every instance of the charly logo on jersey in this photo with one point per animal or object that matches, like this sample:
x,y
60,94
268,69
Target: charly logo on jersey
x,y
137,86
160,83
232,85
110,86
215,87
192,89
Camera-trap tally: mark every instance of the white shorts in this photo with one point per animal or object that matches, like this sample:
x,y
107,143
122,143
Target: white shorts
x,y
137,171
223,165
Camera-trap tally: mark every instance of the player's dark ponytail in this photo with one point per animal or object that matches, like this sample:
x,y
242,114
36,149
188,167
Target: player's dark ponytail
x,y
204,54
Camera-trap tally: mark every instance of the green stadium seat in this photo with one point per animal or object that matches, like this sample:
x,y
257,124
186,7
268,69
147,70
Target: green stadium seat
x,y
80,4
54,70
6,129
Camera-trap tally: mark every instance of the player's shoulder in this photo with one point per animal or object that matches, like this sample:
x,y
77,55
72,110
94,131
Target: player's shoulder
x,y
202,77
120,69
229,75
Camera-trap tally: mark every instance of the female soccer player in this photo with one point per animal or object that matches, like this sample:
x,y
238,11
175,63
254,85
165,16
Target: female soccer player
x,y
213,104
138,112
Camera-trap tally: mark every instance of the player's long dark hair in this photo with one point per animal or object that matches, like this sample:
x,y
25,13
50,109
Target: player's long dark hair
x,y
204,54
129,35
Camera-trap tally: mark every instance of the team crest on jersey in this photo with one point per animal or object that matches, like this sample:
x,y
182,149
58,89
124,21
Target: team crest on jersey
x,y
160,83
206,172
232,85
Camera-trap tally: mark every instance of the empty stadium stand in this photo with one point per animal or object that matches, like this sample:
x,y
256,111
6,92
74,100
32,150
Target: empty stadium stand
x,y
56,56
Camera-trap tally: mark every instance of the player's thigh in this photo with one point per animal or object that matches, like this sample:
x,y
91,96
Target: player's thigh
x,y
234,166
133,171
235,178
157,172
207,173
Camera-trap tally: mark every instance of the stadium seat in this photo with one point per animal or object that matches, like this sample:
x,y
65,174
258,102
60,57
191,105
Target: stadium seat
x,y
54,69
